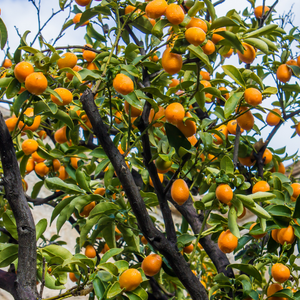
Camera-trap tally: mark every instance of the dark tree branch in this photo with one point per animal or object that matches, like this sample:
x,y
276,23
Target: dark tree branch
x,y
40,201
154,236
26,277
218,258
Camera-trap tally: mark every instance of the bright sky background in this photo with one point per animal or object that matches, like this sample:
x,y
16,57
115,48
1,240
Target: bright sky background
x,y
22,15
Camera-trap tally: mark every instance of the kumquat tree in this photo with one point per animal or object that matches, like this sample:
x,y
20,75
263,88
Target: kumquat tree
x,y
149,115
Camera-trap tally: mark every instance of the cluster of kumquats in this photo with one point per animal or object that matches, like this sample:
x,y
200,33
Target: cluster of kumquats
x,y
59,88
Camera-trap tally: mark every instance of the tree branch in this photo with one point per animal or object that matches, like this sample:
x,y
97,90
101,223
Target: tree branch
x,y
154,236
25,224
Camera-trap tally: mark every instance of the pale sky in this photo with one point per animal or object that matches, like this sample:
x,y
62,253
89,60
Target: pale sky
x,y
22,15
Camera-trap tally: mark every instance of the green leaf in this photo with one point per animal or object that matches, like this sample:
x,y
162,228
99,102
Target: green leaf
x,y
40,228
198,52
36,189
158,28
195,8
104,208
83,180
231,103
297,209
233,39
271,45
110,253
223,22
258,43
232,222
284,293
19,101
13,88
56,183
91,32
122,265
176,137
99,288
235,74
50,281
262,196
207,140
227,165
143,24
133,100
211,9
261,31
8,255
62,4
55,250
156,92
248,269
114,290
3,34
10,224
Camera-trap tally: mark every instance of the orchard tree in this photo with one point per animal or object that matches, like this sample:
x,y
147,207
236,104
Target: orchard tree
x,y
150,113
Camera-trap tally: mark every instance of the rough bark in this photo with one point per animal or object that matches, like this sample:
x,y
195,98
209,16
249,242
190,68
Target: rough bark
x,y
152,234
23,285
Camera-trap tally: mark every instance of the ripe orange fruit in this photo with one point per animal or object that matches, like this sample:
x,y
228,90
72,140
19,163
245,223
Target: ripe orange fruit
x,y
22,70
227,242
280,272
11,123
174,83
231,127
258,11
67,60
73,277
209,48
249,54
174,14
77,18
267,155
156,116
224,193
188,249
196,22
274,234
193,140
151,264
174,113
129,9
253,96
296,190
298,61
298,129
87,122
195,36
284,73
291,62
216,37
272,119
89,55
65,95
205,75
286,235
37,158
281,168
188,128
30,165
87,209
99,191
272,289
7,63
228,54
90,251
171,62
135,112
243,214
63,175
41,169
55,164
29,146
256,236
118,117
42,134
36,83
223,129
206,84
130,279
123,84
156,8
60,135
76,69
83,2
144,240
74,162
246,120
180,191
92,66
246,161
36,122
160,176
260,186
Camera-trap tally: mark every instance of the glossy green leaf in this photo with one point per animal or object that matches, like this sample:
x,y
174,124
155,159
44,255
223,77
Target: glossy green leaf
x,y
227,165
3,34
198,52
110,253
248,269
231,103
261,31
8,255
40,228
56,183
223,22
258,43
234,74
